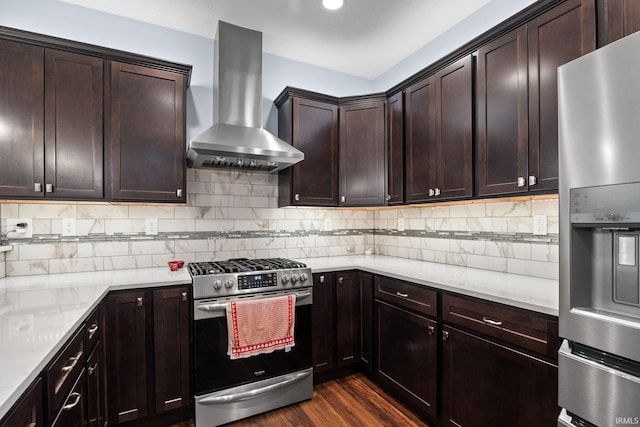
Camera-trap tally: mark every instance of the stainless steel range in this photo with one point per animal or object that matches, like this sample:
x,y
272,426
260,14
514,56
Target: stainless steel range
x,y
229,389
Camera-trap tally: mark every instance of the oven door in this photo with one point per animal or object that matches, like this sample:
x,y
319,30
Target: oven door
x,y
214,369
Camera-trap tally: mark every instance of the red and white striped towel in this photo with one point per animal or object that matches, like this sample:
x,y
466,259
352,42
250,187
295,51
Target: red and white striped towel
x,y
260,326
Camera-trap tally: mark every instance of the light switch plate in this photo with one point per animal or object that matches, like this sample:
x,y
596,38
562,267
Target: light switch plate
x,y
151,228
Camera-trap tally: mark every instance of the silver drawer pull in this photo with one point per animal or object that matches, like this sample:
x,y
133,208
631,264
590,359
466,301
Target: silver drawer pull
x,y
170,401
77,397
400,294
92,330
491,321
92,369
71,363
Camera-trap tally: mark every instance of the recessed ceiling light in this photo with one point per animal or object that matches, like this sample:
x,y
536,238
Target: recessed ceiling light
x,y
332,4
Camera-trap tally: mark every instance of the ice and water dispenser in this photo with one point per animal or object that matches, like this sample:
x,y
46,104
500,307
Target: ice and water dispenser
x,y
605,249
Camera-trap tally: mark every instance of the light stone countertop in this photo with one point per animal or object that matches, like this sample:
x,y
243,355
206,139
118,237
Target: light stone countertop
x,y
531,293
38,314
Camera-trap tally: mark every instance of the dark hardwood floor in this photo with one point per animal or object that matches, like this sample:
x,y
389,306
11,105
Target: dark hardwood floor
x,y
350,401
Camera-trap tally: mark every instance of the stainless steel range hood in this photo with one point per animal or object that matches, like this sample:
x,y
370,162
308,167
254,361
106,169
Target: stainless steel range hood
x,y
237,140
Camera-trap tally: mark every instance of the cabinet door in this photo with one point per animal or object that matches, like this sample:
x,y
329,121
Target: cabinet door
x,y
486,384
366,320
617,19
406,356
347,318
126,335
147,134
95,388
502,115
454,117
74,148
28,411
556,37
323,323
395,149
362,154
171,348
419,155
315,133
21,119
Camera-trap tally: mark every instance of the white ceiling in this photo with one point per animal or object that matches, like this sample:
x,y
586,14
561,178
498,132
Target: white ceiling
x,y
365,38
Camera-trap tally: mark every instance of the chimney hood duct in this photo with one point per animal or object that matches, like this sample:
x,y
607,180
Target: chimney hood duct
x,y
237,141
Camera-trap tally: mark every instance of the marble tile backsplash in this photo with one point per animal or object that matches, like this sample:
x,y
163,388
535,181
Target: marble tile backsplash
x,y
235,214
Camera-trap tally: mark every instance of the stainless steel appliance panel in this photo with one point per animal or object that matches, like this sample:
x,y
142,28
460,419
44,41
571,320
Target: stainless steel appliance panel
x,y
595,392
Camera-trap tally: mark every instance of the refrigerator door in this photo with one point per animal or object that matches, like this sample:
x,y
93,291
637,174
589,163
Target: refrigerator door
x,y
595,392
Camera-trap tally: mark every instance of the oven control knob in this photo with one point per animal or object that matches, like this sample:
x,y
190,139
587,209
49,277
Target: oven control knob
x,y
304,277
285,278
217,284
294,278
228,283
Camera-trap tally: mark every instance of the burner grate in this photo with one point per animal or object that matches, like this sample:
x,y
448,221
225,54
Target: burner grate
x,y
240,265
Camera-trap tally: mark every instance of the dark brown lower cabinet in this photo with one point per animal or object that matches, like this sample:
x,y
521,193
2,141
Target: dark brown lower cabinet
x,y
406,356
323,323
347,318
147,352
95,389
73,411
366,320
488,384
28,411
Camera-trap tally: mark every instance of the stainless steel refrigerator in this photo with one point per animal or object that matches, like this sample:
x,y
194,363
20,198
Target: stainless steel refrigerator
x,y
599,154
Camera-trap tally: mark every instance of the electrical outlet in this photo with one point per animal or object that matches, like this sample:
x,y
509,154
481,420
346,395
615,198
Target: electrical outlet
x,y
68,227
151,227
540,225
400,224
15,232
327,224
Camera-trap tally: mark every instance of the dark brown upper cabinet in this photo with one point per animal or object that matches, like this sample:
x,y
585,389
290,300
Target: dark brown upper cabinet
x,y
419,140
517,111
310,125
69,110
52,108
147,134
438,132
395,149
21,119
74,148
362,153
617,19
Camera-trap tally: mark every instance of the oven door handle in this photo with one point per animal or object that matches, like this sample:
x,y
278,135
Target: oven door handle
x,y
223,306
227,398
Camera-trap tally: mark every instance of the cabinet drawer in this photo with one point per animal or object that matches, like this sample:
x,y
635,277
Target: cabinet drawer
x,y
415,297
64,371
72,413
514,326
93,329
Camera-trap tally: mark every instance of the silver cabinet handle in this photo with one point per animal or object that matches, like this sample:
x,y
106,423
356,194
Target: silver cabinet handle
x,y
340,280
296,197
92,369
37,187
445,335
431,192
401,295
388,197
533,180
322,279
92,330
437,191
77,397
431,329
170,401
184,296
521,181
139,300
179,192
491,321
71,362
343,199
48,188
255,392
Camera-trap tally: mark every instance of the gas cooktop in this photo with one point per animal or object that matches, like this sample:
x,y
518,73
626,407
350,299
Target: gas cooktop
x,y
245,276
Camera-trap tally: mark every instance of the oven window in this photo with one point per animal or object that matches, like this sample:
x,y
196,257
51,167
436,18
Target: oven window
x,y
214,370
